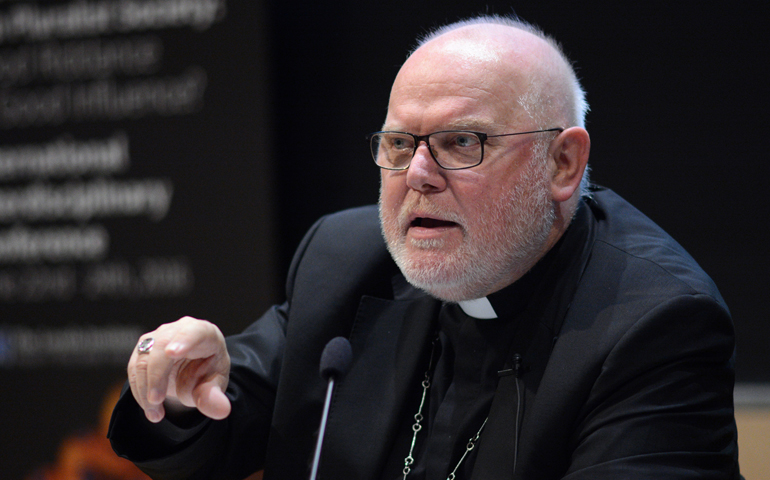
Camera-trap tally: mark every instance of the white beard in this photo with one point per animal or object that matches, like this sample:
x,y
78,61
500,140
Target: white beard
x,y
497,249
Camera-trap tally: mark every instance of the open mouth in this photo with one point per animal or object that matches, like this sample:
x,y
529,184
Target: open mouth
x,y
426,222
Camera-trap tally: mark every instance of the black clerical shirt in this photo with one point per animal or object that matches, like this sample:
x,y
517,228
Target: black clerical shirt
x,y
468,356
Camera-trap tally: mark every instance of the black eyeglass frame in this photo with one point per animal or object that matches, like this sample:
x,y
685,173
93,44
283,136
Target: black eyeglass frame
x,y
418,139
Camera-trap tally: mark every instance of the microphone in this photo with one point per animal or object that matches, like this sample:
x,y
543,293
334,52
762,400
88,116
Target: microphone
x,y
335,363
336,358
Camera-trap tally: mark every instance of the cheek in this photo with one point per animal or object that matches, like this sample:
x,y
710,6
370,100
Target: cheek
x,y
498,181
479,198
473,193
392,189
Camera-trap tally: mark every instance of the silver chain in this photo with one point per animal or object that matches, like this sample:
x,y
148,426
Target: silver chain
x,y
409,460
418,418
468,448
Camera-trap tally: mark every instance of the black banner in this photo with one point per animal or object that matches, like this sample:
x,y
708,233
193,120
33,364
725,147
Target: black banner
x,y
135,187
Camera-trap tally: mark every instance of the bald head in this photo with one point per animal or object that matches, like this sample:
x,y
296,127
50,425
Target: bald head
x,y
521,56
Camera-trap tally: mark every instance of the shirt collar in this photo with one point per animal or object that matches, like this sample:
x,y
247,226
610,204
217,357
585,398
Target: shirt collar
x,y
478,308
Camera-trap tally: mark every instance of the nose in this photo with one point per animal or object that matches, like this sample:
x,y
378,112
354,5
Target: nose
x,y
424,174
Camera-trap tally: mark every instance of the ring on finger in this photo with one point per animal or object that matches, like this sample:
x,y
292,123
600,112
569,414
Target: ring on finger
x,y
145,345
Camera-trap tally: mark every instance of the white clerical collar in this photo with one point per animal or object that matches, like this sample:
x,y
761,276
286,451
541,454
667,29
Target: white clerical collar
x,y
478,308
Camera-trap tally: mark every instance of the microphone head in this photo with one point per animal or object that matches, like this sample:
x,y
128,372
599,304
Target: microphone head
x,y
336,358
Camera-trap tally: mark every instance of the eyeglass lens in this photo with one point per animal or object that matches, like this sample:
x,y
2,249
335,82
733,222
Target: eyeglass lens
x,y
449,149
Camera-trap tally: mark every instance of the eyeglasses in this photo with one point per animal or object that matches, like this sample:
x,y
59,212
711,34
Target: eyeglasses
x,y
451,149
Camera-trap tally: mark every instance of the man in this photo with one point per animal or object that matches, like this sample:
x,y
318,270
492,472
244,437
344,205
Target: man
x,y
513,324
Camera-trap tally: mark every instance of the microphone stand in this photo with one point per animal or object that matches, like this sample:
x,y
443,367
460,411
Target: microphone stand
x,y
322,429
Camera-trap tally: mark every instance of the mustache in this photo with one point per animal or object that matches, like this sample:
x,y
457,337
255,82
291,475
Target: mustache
x,y
424,207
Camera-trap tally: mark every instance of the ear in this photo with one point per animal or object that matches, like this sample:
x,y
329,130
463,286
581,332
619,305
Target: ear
x,y
569,152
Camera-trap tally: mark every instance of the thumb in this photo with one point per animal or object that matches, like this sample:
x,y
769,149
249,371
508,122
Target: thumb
x,y
211,401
